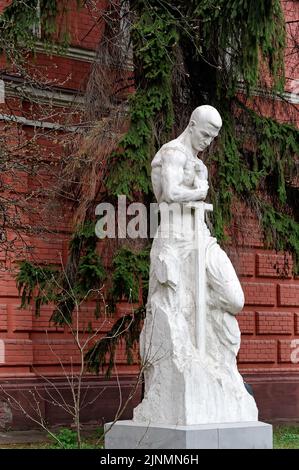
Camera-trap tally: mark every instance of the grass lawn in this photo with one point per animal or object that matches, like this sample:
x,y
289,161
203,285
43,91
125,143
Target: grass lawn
x,y
92,439
285,437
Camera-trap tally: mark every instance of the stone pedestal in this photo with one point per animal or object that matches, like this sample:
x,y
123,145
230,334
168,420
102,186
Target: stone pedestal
x,y
242,435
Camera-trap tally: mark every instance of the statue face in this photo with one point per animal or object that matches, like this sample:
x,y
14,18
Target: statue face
x,y
202,134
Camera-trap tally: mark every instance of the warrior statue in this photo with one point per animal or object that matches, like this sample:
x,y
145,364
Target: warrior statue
x,y
190,337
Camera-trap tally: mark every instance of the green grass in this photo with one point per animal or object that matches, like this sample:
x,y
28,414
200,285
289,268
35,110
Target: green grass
x,y
90,440
27,445
286,437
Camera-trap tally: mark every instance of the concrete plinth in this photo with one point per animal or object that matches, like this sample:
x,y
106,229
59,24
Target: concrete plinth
x,y
246,435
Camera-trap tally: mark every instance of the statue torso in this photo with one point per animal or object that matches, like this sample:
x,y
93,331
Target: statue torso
x,y
192,166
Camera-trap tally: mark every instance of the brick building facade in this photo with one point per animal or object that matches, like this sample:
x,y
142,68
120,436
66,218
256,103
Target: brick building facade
x,y
31,348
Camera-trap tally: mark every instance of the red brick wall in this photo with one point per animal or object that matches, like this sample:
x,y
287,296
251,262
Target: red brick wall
x,y
31,345
269,320
82,24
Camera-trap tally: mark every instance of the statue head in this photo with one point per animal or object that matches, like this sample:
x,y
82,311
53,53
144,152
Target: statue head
x,y
204,125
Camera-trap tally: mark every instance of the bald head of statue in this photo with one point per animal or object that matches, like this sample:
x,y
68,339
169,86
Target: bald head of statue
x,y
204,125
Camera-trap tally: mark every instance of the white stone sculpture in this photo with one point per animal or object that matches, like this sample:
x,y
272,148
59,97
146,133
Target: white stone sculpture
x,y
191,337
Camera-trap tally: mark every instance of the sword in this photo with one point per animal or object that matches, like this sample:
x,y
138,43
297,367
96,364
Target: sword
x,y
200,208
